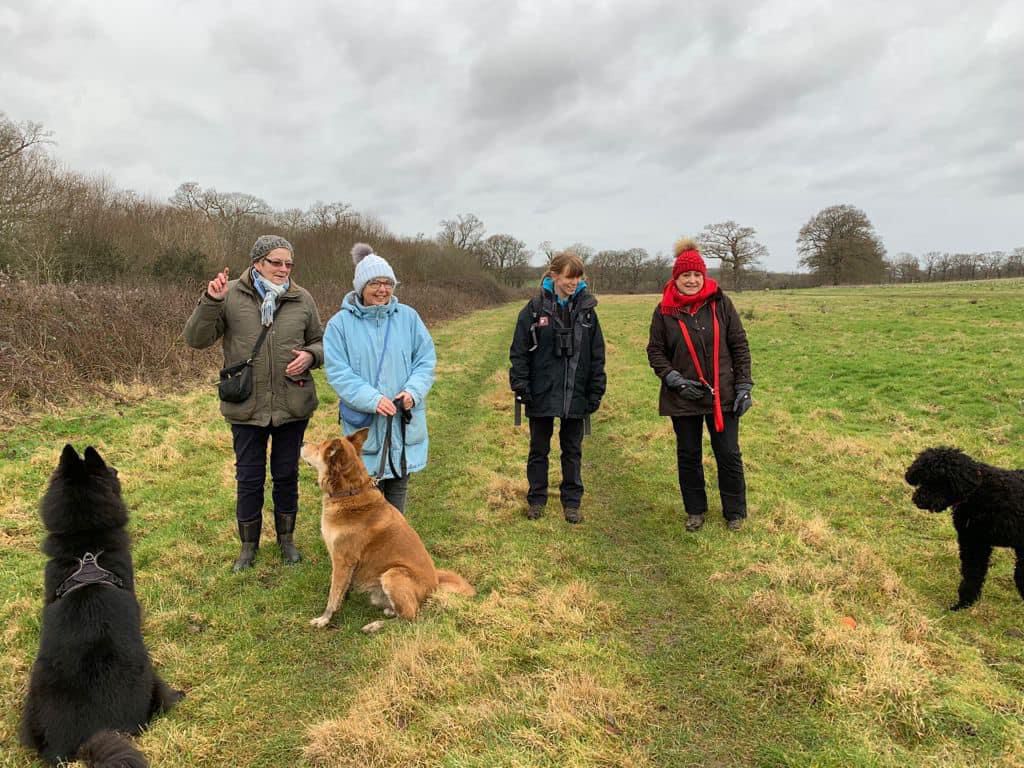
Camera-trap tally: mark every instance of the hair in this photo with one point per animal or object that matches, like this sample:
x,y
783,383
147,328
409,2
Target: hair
x,y
685,244
566,260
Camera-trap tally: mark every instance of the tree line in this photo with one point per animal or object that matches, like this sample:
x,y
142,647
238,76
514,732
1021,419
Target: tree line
x,y
60,226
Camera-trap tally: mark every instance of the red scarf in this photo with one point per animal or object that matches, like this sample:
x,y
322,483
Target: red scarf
x,y
672,302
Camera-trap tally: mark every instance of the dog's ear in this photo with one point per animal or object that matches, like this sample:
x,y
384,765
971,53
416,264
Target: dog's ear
x,y
358,438
963,473
69,457
332,449
93,461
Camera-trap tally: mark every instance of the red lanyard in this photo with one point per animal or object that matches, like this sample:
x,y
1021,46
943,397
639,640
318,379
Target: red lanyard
x,y
716,395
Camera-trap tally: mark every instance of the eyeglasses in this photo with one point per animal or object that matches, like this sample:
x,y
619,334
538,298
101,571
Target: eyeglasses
x,y
375,284
278,264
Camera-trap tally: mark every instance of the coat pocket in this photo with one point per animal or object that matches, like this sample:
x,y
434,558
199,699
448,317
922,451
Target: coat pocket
x,y
300,395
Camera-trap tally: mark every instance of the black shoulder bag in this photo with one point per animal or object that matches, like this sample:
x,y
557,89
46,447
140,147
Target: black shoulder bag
x,y
236,380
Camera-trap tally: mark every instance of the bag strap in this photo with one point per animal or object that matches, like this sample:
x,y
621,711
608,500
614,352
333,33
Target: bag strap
x,y
263,335
383,349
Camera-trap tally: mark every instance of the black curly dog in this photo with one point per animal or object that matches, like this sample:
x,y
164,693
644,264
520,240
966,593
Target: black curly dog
x,y
988,511
92,679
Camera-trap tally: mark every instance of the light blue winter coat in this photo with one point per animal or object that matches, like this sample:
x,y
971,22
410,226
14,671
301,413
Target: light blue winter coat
x,y
352,347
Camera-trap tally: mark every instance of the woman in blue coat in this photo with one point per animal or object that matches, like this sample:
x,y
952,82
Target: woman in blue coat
x,y
376,351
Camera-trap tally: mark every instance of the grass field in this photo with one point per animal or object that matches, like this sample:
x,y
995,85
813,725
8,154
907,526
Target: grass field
x,y
619,642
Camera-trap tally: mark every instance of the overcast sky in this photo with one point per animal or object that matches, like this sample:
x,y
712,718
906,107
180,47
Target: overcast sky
x,y
615,124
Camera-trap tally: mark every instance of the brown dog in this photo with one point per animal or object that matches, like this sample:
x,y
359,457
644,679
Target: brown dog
x,y
372,546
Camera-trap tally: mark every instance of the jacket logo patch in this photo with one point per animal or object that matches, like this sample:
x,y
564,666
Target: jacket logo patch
x,y
542,320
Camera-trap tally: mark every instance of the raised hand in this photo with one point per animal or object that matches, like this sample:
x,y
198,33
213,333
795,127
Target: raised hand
x,y
218,287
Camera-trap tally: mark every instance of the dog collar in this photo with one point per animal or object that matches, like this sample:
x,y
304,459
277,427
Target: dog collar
x,y
89,572
352,491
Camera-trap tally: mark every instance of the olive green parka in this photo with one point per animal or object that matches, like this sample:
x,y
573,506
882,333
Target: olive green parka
x,y
276,398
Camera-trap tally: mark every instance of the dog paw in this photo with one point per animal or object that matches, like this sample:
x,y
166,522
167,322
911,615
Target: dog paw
x,y
374,626
319,622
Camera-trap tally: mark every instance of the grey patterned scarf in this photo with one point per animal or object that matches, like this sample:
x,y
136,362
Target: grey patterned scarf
x,y
270,293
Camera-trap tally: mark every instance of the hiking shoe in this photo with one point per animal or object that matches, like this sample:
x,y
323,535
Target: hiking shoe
x,y
694,522
535,511
572,515
735,524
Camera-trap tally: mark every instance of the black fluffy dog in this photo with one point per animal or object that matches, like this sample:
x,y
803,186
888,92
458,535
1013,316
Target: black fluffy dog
x,y
92,677
988,511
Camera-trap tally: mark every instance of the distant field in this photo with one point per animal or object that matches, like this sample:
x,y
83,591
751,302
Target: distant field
x,y
620,642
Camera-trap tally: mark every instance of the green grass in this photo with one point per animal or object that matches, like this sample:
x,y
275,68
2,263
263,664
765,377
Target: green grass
x,y
620,642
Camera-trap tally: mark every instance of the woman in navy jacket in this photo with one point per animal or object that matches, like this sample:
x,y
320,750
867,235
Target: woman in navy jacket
x,y
557,371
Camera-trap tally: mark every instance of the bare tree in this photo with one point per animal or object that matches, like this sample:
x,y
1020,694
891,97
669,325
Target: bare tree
x,y
547,249
839,244
25,172
736,246
465,232
331,215
506,256
234,213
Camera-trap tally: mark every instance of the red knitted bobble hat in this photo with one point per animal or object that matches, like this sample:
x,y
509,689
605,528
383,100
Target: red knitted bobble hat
x,y
688,259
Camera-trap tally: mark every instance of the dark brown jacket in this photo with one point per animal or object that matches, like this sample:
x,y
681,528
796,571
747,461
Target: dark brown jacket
x,y
666,351
276,398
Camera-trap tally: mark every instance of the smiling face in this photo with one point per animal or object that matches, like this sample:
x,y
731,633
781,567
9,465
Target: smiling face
x,y
690,283
276,266
377,292
566,282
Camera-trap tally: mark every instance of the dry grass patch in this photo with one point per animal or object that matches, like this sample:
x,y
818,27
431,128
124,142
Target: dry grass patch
x,y
518,671
506,495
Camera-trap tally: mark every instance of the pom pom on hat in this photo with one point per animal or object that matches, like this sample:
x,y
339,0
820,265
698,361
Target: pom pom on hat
x,y
360,251
369,266
688,258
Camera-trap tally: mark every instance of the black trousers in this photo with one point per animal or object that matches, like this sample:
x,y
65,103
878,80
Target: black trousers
x,y
570,439
395,490
251,467
726,446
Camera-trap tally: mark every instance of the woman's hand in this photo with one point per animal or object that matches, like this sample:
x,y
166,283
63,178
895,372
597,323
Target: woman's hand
x,y
407,400
385,407
218,287
300,364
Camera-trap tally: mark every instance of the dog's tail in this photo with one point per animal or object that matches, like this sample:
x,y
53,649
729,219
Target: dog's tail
x,y
449,581
107,749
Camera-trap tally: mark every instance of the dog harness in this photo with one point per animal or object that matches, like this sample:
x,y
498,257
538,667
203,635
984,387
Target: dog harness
x,y
89,572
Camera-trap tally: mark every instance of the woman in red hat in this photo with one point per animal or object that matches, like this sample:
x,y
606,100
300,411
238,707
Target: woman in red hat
x,y
699,350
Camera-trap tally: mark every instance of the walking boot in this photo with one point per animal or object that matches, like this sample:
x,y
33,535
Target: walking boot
x,y
534,512
572,515
694,522
285,525
249,535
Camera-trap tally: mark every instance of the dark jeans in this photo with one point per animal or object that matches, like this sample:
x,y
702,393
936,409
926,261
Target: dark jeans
x,y
394,490
570,439
251,467
726,446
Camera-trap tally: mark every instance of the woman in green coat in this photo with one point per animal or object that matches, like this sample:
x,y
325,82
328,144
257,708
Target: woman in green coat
x,y
283,393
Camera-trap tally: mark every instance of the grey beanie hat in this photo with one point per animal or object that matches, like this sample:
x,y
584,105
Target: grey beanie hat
x,y
266,243
369,266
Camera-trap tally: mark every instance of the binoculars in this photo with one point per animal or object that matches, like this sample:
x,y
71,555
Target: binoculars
x,y
563,342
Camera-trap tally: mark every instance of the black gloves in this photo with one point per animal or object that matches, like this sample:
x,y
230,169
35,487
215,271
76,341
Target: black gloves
x,y
743,399
523,396
688,388
593,405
